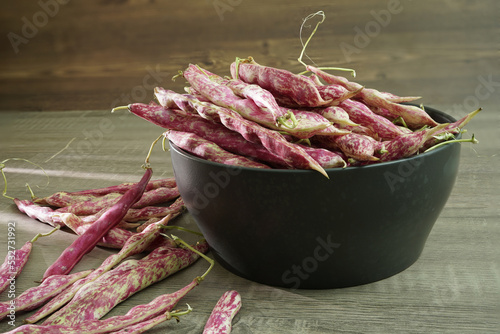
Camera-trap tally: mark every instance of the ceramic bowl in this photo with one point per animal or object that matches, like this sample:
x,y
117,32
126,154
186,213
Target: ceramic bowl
x,y
299,229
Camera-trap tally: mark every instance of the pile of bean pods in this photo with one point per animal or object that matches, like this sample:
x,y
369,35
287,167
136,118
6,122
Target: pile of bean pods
x,y
130,218
265,117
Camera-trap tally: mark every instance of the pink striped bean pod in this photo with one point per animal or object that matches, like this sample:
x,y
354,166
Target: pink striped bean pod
x,y
299,89
38,212
89,239
99,297
413,116
408,144
38,295
361,114
136,315
220,320
253,132
216,132
208,150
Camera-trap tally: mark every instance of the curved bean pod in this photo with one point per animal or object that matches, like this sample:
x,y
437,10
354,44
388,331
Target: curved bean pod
x,y
216,132
223,313
253,132
88,240
209,150
36,296
298,88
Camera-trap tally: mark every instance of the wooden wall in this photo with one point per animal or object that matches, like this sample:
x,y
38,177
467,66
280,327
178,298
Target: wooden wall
x,y
97,54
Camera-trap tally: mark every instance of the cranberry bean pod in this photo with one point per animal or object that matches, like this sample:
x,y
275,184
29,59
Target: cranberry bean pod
x,y
310,123
94,302
14,263
140,313
134,215
336,115
398,99
223,96
91,206
326,158
384,113
208,150
157,196
253,132
36,296
220,320
145,325
361,114
408,144
16,260
298,88
453,128
216,132
135,244
356,146
88,240
413,116
41,213
63,198
114,238
336,93
124,187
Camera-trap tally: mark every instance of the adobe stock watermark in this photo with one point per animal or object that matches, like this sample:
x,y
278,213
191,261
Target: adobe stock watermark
x,y
30,27
405,169
95,136
11,266
223,6
485,88
210,190
153,78
364,36
301,272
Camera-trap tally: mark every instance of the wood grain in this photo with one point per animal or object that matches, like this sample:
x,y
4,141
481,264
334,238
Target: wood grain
x,y
97,54
453,287
57,91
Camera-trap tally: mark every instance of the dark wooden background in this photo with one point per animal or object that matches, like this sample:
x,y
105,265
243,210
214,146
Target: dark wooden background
x,y
84,57
97,54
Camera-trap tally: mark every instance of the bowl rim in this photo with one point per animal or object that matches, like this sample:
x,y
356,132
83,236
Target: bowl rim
x,y
191,156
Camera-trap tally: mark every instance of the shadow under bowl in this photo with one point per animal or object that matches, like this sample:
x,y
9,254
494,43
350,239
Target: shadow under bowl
x,y
298,229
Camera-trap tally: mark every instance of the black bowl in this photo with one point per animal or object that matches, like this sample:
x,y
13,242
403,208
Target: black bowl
x,y
298,229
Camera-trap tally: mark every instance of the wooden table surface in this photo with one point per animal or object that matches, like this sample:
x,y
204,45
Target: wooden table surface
x,y
58,84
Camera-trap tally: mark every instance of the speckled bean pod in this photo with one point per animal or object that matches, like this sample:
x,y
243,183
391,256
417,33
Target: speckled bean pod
x,y
41,213
124,187
134,215
415,117
356,146
253,132
301,90
223,96
159,305
220,320
408,144
36,296
361,114
99,297
89,239
15,260
92,206
336,115
216,132
208,150
135,244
